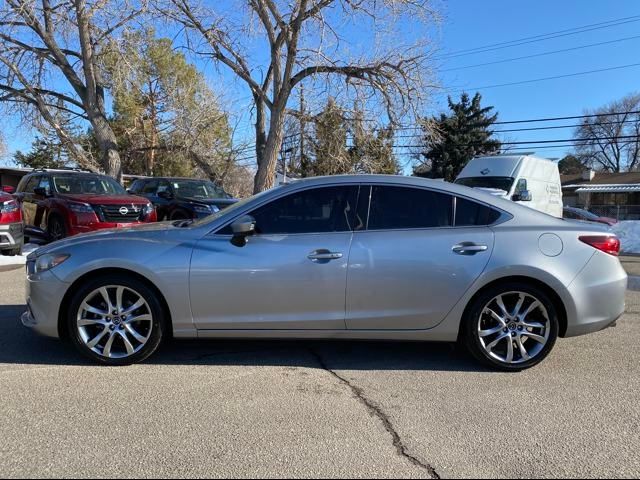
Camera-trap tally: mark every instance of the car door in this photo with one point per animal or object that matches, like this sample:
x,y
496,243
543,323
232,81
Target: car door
x,y
28,200
291,275
414,261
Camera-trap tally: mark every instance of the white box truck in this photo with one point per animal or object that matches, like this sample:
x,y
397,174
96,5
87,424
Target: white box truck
x,y
525,179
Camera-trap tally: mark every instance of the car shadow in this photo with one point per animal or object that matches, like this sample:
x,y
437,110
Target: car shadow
x,y
19,345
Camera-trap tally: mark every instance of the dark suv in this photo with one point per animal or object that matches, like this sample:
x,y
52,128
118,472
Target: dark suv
x,y
60,203
182,198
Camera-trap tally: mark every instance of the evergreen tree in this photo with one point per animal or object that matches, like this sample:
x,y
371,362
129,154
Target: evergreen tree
x,y
46,152
166,118
461,135
330,143
571,165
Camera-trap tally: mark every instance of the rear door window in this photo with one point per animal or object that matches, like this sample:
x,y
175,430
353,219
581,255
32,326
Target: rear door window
x,y
394,208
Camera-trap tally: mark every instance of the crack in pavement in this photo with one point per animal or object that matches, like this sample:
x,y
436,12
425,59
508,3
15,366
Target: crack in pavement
x,y
381,415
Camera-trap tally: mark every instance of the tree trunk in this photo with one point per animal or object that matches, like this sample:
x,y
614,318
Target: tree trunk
x,y
266,175
108,145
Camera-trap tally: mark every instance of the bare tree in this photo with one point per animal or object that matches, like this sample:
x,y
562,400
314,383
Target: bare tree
x,y
610,141
50,63
303,42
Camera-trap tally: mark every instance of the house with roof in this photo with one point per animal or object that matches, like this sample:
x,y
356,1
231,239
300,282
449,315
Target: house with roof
x,y
615,195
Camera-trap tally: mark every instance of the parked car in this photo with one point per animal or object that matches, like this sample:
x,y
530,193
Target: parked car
x,y
60,203
11,230
526,179
574,213
182,198
352,257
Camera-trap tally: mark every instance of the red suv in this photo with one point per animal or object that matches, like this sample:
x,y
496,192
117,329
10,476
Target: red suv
x,y
11,233
60,203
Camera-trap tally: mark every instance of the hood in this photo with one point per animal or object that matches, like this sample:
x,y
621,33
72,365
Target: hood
x,y
104,235
493,191
93,199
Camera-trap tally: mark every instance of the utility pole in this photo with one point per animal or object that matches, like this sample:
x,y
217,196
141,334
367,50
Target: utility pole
x,y
303,161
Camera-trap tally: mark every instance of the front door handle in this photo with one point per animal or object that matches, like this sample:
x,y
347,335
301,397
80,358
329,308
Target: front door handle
x,y
324,254
469,248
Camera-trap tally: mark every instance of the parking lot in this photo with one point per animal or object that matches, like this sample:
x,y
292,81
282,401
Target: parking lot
x,y
307,409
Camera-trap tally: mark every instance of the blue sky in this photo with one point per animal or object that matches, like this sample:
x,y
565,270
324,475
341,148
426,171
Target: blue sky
x,y
475,24
468,24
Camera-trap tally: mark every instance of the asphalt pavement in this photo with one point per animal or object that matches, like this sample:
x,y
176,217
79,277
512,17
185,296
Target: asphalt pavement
x,y
316,409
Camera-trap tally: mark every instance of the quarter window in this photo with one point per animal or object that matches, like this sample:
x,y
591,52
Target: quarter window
x,y
470,214
403,207
320,210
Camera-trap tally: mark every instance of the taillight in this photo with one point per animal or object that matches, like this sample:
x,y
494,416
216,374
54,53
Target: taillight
x,y
605,243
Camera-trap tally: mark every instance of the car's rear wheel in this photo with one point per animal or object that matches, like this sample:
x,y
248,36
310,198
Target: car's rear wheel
x,y
56,229
11,253
116,320
511,326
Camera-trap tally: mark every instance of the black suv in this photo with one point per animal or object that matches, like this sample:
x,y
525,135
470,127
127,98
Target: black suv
x,y
182,198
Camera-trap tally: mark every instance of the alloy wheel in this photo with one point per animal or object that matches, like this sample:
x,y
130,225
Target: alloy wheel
x,y
514,327
114,321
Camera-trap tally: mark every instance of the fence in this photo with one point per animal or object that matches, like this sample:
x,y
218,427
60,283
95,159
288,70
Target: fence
x,y
619,212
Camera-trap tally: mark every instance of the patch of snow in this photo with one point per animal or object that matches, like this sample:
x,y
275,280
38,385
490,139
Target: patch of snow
x,y
18,259
628,232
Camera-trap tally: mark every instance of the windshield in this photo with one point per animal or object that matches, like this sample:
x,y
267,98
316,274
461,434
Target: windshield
x,y
501,183
198,189
87,185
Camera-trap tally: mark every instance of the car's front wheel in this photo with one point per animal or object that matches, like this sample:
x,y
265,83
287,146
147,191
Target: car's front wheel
x,y
511,326
116,320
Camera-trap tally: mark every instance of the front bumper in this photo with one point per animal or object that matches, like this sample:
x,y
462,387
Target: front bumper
x,y
93,227
11,236
598,295
44,297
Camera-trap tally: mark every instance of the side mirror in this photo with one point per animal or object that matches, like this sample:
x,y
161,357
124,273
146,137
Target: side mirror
x,y
165,194
242,228
523,196
41,192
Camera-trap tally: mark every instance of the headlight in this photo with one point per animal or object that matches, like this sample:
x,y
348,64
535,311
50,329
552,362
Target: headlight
x,y
148,210
49,261
78,207
9,207
204,209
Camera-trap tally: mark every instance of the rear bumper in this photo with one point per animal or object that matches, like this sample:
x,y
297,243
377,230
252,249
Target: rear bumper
x,y
598,295
11,236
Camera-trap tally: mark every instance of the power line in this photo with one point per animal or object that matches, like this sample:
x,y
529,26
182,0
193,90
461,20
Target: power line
x,y
523,82
564,50
543,37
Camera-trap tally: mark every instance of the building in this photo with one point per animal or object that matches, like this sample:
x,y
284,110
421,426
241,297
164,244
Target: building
x,y
10,177
615,195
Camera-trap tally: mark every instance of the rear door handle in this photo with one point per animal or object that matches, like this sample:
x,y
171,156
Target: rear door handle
x,y
469,248
324,255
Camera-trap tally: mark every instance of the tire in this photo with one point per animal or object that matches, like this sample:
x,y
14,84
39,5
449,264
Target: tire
x,y
12,253
532,330
56,229
144,336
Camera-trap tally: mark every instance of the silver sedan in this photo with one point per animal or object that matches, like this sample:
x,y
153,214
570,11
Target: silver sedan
x,y
353,257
